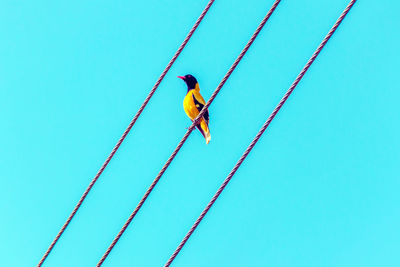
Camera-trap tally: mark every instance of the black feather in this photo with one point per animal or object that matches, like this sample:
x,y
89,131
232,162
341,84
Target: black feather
x,y
199,107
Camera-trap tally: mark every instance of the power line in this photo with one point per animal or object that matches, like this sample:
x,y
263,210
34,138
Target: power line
x,y
139,112
190,129
259,134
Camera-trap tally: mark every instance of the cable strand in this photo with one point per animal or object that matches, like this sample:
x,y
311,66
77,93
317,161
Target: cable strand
x,y
188,132
259,134
139,112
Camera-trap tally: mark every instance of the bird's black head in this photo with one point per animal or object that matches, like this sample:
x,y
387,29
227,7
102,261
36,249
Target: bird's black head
x,y
189,80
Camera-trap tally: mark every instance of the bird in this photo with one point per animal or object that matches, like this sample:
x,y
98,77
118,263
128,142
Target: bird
x,y
193,104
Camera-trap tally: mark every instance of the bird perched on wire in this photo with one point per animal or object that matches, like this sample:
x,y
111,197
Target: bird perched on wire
x,y
193,103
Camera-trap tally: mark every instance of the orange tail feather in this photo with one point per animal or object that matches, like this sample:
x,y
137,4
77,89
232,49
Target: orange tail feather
x,y
205,131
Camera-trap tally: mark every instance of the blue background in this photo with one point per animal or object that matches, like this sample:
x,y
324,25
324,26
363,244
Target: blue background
x,y
321,188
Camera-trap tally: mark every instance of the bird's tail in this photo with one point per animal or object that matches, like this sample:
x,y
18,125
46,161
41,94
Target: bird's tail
x,y
205,131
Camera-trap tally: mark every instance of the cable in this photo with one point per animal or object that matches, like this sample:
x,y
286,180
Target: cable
x,y
259,134
190,129
153,90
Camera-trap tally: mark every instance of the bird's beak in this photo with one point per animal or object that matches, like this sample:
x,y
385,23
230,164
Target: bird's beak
x,y
181,77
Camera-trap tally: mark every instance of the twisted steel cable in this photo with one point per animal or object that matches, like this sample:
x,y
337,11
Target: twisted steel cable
x,y
139,112
190,129
259,134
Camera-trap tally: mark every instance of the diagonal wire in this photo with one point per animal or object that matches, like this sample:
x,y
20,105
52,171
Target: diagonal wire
x,y
139,112
190,129
262,130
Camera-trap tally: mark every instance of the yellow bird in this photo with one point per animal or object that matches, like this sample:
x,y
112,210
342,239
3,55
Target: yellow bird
x,y
193,103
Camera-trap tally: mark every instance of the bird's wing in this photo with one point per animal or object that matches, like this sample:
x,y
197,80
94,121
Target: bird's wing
x,y
200,103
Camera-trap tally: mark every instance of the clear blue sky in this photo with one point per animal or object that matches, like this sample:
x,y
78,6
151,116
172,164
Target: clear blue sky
x,y
321,188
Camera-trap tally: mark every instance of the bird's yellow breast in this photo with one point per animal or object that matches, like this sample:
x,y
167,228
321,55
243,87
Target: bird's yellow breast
x,y
189,106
